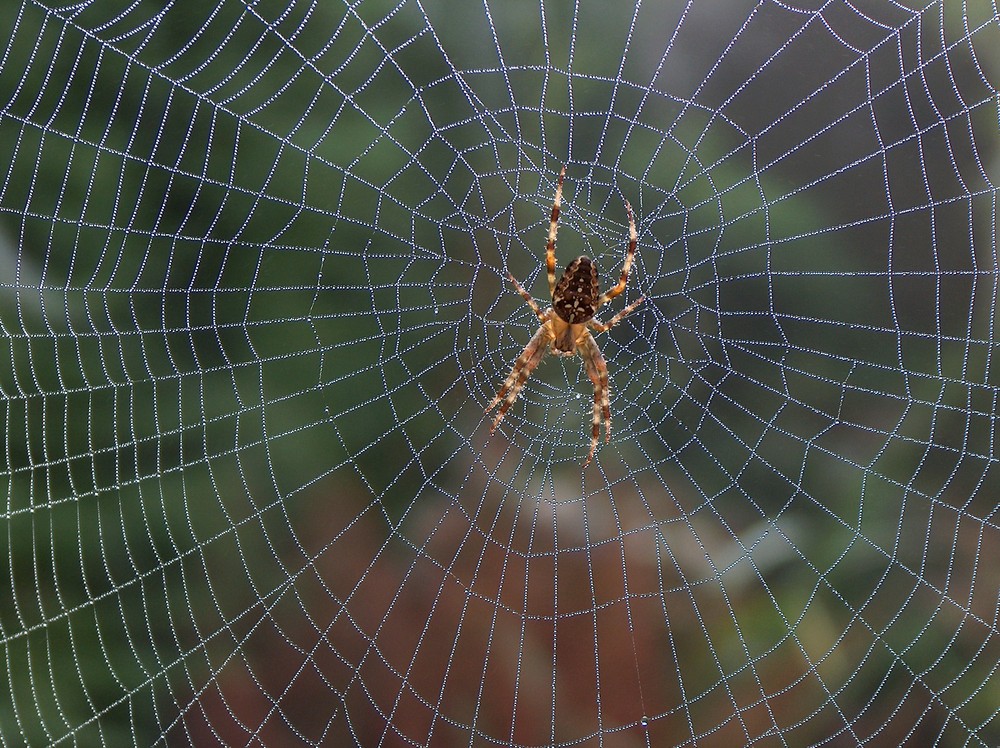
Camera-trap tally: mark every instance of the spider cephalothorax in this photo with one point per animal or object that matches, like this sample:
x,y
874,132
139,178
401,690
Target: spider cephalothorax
x,y
575,300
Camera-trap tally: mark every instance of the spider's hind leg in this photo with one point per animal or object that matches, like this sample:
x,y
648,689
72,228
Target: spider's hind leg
x,y
542,316
599,327
550,246
633,240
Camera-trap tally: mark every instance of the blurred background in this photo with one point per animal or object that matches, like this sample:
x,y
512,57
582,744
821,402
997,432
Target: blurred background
x,y
253,301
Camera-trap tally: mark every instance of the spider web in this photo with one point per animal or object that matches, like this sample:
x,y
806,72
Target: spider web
x,y
254,301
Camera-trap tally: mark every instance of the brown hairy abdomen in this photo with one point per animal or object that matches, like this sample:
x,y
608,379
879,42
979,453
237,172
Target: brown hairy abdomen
x,y
576,294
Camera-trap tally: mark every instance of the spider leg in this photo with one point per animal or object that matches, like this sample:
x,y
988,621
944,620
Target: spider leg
x,y
597,370
633,239
527,297
550,247
530,357
617,318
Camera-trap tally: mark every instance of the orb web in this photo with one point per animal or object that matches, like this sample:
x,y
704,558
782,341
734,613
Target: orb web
x,y
254,301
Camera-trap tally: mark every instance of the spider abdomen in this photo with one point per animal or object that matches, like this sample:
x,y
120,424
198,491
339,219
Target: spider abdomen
x,y
576,294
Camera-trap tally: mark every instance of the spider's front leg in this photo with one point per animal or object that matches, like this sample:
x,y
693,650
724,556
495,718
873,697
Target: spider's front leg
x,y
597,370
530,357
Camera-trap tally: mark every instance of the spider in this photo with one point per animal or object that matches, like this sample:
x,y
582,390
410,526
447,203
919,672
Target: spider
x,y
575,300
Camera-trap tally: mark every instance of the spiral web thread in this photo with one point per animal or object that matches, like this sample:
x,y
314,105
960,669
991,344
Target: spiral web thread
x,y
254,301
